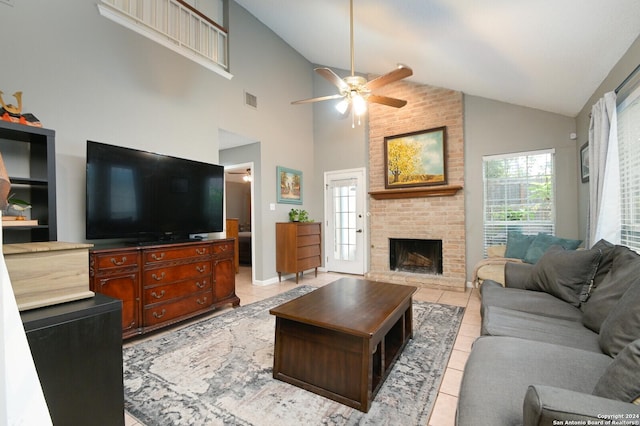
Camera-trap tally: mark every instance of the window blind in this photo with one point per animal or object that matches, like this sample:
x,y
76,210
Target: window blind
x,y
628,111
519,195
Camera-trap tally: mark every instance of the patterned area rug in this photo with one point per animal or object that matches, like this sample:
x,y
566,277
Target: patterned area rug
x,y
219,372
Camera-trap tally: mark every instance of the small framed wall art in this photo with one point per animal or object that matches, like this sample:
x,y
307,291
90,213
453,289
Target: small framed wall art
x,y
289,185
416,159
584,162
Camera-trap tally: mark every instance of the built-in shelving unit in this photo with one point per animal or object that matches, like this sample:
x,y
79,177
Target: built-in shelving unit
x,y
29,156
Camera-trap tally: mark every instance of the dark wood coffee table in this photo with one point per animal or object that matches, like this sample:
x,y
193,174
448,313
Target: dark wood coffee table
x,y
341,340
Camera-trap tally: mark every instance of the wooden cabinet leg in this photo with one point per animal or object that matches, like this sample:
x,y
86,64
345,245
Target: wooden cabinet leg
x,y
316,272
296,278
279,277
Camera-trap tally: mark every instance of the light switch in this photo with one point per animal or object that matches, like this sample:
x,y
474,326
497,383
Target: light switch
x,y
272,207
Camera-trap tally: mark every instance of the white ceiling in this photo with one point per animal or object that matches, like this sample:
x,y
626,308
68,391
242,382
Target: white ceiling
x,y
546,54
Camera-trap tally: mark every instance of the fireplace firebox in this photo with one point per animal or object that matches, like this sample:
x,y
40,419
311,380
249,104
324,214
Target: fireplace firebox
x,y
414,255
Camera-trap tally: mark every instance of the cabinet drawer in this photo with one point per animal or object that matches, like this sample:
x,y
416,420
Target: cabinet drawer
x,y
163,293
176,273
309,229
308,240
308,251
122,259
157,314
163,255
308,263
223,248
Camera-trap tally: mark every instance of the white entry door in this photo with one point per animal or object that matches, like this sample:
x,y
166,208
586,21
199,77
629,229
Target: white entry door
x,y
345,236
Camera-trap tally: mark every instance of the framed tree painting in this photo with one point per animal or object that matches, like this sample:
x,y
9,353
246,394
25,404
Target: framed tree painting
x,y
416,159
289,185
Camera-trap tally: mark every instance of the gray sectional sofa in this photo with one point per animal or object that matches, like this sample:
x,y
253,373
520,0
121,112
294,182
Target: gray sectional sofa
x,y
560,343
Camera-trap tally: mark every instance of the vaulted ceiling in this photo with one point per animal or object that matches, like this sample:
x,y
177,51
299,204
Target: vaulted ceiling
x,y
546,54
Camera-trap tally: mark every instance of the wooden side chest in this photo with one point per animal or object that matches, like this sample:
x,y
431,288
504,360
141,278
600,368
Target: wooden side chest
x,y
298,247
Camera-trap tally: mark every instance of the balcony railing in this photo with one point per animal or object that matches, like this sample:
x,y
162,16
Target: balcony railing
x,y
175,25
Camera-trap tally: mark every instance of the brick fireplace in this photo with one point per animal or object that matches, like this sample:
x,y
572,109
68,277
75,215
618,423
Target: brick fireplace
x,y
428,215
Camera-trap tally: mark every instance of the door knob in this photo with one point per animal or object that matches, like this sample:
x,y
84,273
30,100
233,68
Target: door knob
x,y
359,231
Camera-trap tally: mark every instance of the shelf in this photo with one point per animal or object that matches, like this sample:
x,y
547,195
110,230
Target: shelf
x,y
27,181
421,192
29,156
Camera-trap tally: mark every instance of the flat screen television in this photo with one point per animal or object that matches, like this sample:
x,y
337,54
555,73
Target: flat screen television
x,y
149,197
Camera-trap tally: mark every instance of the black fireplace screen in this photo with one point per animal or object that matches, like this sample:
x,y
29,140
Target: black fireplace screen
x,y
418,256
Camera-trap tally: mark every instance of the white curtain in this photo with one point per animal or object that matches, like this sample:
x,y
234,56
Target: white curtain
x,y
604,173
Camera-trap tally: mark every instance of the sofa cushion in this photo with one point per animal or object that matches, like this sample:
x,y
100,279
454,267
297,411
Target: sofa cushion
x,y
608,255
500,369
623,270
622,325
565,274
541,244
535,302
621,379
517,244
498,321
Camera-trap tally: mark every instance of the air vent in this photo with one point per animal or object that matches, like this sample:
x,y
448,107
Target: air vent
x,y
251,100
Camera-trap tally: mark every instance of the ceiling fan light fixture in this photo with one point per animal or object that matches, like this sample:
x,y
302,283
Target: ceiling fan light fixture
x,y
342,106
359,104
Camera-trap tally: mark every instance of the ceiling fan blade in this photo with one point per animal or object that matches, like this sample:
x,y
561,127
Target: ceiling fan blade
x,y
385,100
322,98
398,74
333,78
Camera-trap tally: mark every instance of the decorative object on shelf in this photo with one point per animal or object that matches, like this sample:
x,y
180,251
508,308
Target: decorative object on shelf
x,y
416,159
17,205
289,185
584,162
13,114
299,215
5,185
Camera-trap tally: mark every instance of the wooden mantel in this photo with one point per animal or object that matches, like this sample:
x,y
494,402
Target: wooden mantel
x,y
423,191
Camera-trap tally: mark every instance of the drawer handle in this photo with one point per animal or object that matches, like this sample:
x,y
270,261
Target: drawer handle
x,y
201,269
158,278
223,247
157,257
158,296
159,315
202,284
202,302
201,251
119,263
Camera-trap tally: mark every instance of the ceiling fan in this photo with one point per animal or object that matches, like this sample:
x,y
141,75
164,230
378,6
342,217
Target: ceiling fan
x,y
356,91
247,175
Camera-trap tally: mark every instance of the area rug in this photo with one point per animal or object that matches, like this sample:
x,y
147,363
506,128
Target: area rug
x,y
219,372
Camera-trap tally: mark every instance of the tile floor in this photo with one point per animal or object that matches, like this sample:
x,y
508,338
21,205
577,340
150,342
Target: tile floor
x,y
445,407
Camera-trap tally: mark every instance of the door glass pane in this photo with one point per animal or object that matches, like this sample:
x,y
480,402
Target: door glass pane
x,y
344,202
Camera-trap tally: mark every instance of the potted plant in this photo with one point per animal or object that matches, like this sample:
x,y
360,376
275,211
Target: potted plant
x,y
294,215
299,215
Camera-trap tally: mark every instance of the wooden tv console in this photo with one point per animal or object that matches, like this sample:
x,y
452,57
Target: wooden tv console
x,y
160,285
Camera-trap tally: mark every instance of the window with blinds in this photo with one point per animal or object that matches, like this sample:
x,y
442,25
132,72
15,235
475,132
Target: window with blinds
x,y
518,195
628,111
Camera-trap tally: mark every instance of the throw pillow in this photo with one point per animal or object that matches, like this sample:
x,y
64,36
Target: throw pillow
x,y
517,244
564,273
621,379
622,325
623,271
542,242
607,260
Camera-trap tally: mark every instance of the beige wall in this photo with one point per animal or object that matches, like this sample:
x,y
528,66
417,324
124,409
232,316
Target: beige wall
x,y
493,127
86,77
